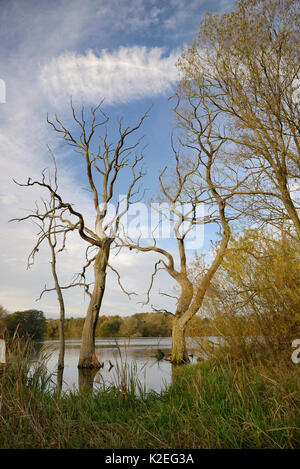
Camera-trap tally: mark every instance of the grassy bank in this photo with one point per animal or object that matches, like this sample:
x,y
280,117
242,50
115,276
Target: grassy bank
x,y
209,405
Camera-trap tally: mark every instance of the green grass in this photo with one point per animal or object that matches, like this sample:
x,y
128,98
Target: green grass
x,y
209,405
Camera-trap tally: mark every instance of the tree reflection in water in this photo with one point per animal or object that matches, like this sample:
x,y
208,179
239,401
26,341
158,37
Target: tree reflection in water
x,y
60,375
86,378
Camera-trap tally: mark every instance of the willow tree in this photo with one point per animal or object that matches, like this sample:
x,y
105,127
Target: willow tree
x,y
246,64
107,165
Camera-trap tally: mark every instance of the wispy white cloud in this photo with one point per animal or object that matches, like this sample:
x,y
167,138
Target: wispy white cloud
x,y
125,74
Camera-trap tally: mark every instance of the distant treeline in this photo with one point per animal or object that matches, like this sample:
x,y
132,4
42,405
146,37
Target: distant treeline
x,y
137,325
37,326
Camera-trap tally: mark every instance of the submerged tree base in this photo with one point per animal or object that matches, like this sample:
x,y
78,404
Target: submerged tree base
x,y
179,361
89,363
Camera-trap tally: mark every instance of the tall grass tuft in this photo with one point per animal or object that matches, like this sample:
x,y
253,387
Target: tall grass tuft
x,y
126,376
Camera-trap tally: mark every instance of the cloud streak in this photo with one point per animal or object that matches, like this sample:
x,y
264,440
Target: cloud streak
x,y
123,75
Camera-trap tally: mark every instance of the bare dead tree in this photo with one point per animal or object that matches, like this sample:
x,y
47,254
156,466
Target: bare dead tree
x,y
46,218
105,162
196,179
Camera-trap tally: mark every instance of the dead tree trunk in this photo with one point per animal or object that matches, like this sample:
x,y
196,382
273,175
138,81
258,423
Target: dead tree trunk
x,y
88,357
179,354
61,329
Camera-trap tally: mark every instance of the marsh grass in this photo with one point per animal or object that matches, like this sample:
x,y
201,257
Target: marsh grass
x,y
215,404
126,376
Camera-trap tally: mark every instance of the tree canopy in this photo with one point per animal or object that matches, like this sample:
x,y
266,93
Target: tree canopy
x,y
31,322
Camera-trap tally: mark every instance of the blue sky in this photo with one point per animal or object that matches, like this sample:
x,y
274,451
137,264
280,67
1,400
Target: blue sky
x,y
124,52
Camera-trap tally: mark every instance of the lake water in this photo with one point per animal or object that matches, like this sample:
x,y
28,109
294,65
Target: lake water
x,y
139,354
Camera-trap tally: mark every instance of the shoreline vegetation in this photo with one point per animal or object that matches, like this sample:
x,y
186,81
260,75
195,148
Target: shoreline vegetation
x,y
219,403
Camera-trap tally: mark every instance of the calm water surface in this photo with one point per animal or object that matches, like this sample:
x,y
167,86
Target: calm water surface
x,y
138,353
